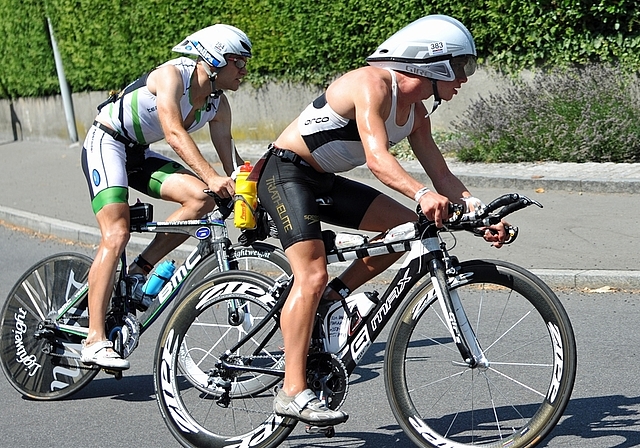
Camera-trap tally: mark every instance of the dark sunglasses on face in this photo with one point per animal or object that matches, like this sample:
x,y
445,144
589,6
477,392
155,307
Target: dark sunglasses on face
x,y
239,63
463,66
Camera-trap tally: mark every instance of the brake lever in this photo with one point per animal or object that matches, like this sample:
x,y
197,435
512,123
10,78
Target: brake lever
x,y
511,231
521,203
455,210
457,213
225,205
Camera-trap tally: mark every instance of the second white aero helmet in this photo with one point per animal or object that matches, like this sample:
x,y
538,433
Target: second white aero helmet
x,y
213,42
437,47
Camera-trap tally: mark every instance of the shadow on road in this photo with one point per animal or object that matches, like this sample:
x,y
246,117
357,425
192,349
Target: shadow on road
x,y
612,420
129,388
595,418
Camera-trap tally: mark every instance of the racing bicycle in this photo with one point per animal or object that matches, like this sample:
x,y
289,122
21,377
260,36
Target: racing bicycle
x,y
45,316
481,352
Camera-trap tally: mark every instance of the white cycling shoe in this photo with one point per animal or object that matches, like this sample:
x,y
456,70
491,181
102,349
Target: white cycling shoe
x,y
306,408
102,354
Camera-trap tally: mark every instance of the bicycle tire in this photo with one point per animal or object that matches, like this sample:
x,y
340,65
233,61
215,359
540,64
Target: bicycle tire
x,y
191,409
262,258
259,257
522,327
26,363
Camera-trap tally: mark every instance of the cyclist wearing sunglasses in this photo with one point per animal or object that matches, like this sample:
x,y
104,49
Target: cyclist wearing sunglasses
x,y
170,102
355,122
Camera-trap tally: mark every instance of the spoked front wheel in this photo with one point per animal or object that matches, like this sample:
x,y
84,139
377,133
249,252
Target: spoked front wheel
x,y
525,333
40,361
202,403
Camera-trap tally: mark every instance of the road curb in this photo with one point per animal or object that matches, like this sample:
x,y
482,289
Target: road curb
x,y
529,176
77,233
628,186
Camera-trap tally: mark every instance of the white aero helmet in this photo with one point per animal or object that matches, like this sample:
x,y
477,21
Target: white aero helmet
x,y
437,47
213,42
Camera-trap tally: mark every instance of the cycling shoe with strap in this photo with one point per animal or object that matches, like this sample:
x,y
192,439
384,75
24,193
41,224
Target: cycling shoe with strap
x,y
102,354
306,408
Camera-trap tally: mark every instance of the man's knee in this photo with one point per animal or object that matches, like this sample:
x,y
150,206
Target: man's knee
x,y
116,238
201,204
314,283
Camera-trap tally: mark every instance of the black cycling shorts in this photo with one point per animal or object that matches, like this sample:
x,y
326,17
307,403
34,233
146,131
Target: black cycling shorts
x,y
289,191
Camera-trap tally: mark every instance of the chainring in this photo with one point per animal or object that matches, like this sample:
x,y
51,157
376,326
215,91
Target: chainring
x,y
129,331
327,377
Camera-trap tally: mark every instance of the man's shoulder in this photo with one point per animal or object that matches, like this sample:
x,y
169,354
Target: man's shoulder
x,y
181,61
182,64
369,77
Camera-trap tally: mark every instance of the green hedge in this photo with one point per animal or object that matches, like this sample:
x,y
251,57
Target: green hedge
x,y
107,44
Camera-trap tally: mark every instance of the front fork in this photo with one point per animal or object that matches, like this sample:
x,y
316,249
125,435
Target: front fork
x,y
455,316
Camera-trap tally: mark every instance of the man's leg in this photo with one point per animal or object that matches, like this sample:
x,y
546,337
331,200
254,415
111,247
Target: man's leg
x,y
384,213
187,190
308,264
113,220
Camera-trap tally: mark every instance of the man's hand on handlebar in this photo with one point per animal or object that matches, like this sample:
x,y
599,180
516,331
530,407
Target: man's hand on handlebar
x,y
435,207
497,234
223,186
482,220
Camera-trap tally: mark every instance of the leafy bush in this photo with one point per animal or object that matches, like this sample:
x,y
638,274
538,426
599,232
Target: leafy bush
x,y
573,115
105,45
402,150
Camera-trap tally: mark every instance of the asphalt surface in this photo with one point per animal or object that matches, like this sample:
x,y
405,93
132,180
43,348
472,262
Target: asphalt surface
x,y
604,410
590,240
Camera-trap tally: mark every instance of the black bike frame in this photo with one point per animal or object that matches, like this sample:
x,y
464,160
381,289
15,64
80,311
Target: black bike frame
x,y
425,256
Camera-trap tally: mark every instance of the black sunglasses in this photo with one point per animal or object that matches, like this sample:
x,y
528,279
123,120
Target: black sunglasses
x,y
239,63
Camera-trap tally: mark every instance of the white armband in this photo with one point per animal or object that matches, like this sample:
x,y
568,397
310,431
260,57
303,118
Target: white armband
x,y
234,173
421,192
472,204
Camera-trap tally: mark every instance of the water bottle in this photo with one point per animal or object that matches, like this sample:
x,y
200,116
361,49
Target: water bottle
x,y
246,199
402,232
338,326
160,276
342,240
346,240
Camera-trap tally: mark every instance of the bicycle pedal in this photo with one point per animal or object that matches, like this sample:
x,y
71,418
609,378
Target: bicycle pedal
x,y
327,431
117,374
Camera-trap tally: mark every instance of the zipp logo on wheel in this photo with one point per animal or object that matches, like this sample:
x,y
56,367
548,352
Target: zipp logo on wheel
x,y
233,287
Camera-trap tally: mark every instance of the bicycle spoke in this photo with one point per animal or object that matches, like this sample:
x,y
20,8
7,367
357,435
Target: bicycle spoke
x,y
519,383
45,364
224,402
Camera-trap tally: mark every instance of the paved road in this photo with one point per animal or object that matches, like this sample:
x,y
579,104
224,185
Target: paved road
x,y
585,236
604,410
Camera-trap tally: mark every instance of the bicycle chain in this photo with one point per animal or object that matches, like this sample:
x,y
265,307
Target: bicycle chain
x,y
79,366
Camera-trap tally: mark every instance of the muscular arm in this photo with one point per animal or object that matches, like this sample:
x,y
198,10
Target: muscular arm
x,y
372,103
431,159
444,181
168,87
220,131
371,107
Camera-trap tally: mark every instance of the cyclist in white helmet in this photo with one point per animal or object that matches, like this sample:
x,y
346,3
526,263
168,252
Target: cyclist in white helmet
x,y
355,122
173,100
